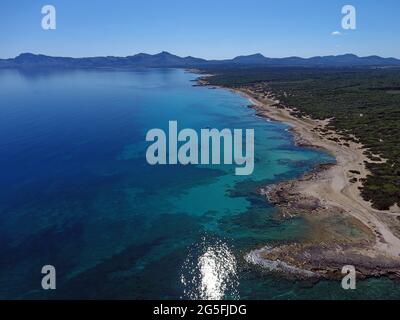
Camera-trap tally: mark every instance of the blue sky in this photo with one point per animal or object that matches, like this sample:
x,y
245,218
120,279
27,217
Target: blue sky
x,y
208,29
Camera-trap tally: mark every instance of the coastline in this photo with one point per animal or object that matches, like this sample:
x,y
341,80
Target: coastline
x,y
330,192
329,199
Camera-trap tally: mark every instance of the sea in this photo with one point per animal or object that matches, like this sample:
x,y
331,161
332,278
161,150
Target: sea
x,y
78,194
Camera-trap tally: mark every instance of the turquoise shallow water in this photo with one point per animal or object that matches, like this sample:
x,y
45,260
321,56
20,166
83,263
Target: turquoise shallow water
x,y
77,192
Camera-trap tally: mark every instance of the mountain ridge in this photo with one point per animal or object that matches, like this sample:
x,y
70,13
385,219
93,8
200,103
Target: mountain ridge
x,y
168,60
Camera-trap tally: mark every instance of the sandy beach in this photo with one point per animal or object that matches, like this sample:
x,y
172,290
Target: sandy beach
x,y
329,198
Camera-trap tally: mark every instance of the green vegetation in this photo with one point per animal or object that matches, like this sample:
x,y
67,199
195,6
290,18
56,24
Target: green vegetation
x,y
364,105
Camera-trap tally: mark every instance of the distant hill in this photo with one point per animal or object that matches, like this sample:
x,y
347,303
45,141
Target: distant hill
x,y
168,60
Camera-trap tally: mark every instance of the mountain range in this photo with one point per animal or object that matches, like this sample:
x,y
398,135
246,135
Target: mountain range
x,y
168,60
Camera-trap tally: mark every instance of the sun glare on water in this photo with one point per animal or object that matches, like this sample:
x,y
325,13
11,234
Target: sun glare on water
x,y
210,273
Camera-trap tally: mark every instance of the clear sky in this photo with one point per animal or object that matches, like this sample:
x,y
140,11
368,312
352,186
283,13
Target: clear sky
x,y
208,29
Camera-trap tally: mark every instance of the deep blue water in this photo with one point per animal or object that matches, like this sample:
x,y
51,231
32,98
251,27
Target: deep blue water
x,y
77,192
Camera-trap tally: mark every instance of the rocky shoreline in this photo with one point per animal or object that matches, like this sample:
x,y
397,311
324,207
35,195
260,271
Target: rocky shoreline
x,y
324,254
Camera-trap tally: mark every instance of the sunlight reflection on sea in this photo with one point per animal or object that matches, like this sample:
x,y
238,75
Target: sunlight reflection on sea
x,y
210,272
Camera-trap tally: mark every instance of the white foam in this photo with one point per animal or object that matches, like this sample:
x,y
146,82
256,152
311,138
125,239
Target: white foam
x,y
255,257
